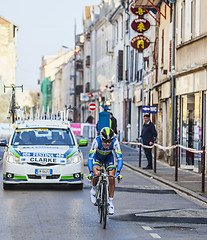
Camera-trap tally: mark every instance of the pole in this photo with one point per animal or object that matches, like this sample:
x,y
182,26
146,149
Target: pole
x,y
155,159
140,155
203,170
75,109
176,163
173,85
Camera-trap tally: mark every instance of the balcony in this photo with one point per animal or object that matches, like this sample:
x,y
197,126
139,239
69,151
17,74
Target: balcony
x,y
79,65
88,61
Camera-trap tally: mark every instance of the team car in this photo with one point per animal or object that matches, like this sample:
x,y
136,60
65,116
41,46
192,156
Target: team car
x,y
43,152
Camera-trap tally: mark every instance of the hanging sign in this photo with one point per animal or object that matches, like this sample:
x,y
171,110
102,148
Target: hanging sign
x,y
138,11
140,25
140,43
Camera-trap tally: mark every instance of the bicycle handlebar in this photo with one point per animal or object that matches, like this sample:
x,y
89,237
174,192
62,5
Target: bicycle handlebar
x,y
119,178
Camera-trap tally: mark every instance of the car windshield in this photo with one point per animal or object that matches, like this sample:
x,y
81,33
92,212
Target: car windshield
x,y
43,136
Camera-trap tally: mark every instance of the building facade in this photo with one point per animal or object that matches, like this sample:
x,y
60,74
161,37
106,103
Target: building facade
x,y
8,58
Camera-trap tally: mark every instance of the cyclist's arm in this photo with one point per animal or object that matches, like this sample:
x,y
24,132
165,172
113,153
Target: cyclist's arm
x,y
118,153
92,154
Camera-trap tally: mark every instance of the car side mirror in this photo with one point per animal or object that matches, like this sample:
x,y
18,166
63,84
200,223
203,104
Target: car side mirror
x,y
83,143
3,142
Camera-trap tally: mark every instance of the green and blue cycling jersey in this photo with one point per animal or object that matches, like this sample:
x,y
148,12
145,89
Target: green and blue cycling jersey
x,y
99,155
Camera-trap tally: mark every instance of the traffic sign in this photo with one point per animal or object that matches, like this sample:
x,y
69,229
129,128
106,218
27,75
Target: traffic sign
x,y
92,106
149,109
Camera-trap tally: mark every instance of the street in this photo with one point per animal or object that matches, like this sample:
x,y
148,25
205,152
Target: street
x,y
144,210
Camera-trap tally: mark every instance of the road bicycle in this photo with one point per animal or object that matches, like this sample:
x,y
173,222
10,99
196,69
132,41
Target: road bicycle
x,y
13,106
102,195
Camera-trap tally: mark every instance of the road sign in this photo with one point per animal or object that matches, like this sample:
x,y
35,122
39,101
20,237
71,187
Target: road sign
x,y
90,95
92,106
149,109
84,97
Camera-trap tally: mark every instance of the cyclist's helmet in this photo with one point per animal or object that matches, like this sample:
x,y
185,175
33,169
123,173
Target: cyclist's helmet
x,y
107,134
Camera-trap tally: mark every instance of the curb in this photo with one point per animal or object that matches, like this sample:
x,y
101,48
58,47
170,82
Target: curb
x,y
168,183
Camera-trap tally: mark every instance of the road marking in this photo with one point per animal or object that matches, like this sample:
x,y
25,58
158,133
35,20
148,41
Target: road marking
x,y
155,235
147,228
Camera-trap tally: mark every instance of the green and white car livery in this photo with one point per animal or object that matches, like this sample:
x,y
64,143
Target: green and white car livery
x,y
43,151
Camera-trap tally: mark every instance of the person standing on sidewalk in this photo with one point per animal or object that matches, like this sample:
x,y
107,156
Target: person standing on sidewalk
x,y
89,118
113,123
148,137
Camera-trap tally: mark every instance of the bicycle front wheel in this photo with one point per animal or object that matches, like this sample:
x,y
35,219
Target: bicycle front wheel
x,y
99,203
104,204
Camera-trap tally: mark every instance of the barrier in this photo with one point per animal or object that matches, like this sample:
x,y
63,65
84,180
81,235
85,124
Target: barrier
x,y
85,130
174,148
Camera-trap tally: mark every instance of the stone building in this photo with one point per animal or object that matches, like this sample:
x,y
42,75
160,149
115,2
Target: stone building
x,y
8,58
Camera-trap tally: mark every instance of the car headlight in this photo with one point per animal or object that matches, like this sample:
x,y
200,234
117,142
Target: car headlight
x,y
12,158
73,159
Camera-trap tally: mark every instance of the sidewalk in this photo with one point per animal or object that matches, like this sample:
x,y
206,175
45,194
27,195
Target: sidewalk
x,y
188,182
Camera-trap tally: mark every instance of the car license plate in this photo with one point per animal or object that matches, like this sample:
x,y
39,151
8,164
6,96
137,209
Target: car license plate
x,y
43,172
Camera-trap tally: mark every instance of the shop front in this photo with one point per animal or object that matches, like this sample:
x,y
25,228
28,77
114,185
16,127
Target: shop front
x,y
191,107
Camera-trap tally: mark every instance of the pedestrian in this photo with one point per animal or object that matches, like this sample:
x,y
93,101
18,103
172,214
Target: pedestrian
x,y
113,123
89,118
148,137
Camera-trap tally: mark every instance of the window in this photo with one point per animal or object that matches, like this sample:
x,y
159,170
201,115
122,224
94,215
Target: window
x,y
117,31
182,21
42,136
170,56
193,18
163,40
120,65
132,65
122,27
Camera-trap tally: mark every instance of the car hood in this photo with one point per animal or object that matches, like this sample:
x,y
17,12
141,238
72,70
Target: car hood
x,y
43,154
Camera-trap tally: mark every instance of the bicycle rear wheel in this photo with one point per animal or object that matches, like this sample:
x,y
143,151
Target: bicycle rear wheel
x,y
104,204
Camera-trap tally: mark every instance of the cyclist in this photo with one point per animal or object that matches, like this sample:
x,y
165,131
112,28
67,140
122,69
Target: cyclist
x,y
102,153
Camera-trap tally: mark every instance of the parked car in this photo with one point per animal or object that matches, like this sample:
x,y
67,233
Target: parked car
x,y
43,151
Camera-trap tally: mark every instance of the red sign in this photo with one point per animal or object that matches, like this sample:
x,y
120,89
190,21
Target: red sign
x,y
140,43
138,11
90,95
140,25
92,106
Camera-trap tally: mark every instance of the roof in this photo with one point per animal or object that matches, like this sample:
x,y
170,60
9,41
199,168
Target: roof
x,y
43,124
8,21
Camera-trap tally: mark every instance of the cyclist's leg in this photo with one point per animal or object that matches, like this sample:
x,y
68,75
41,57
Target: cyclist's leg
x,y
93,192
110,165
96,165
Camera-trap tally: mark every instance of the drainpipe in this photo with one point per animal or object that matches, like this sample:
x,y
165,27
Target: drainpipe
x,y
173,85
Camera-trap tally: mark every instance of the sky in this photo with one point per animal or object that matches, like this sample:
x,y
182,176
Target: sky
x,y
44,26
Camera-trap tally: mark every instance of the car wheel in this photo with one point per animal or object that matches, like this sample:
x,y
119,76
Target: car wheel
x,y
8,186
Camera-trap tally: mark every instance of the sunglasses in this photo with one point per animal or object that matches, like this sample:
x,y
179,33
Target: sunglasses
x,y
107,141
